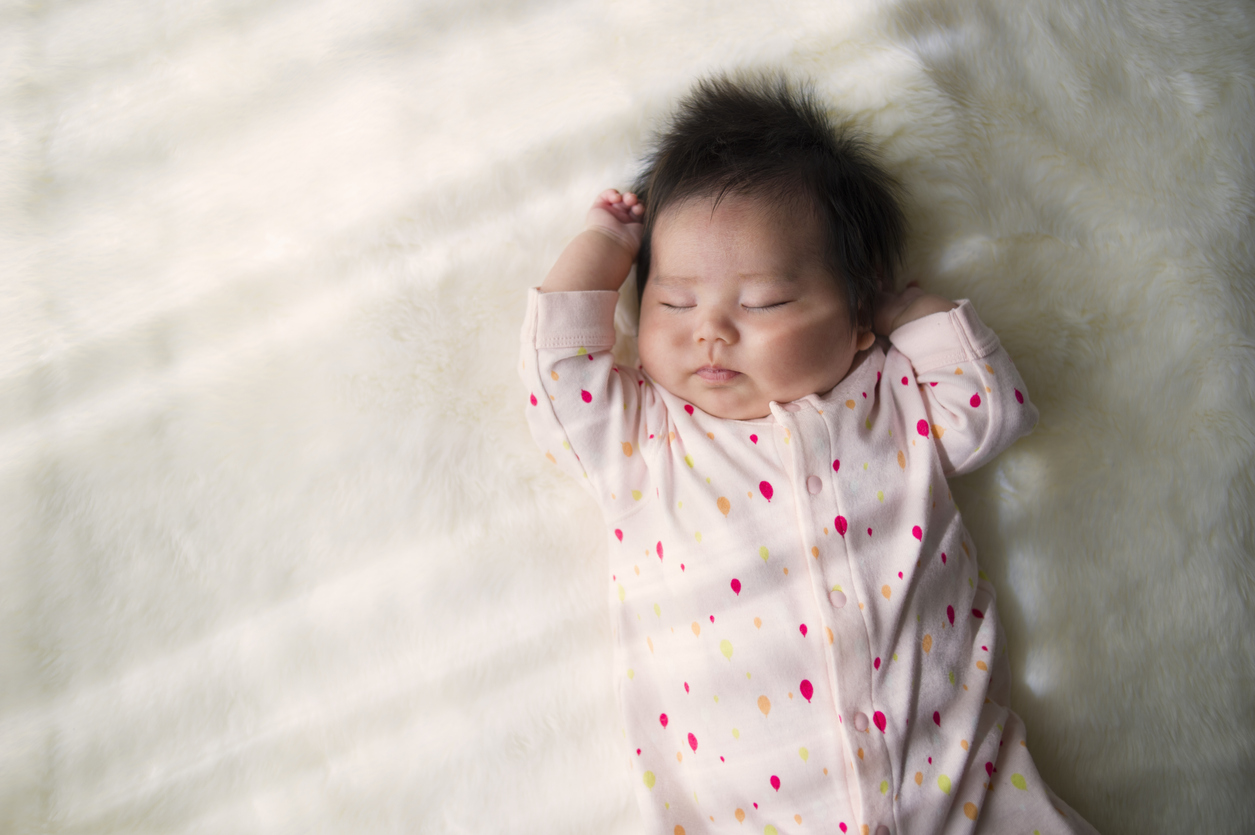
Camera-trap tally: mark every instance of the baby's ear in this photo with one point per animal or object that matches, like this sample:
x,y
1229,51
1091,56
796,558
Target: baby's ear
x,y
865,339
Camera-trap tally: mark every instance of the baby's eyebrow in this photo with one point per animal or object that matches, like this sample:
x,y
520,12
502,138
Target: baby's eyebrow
x,y
758,278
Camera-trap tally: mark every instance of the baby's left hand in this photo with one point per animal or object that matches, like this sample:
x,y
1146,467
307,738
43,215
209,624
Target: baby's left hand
x,y
893,310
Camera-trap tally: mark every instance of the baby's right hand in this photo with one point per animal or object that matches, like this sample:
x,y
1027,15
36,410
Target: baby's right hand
x,y
620,216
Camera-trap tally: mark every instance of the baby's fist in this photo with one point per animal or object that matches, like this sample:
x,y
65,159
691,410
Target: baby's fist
x,y
619,216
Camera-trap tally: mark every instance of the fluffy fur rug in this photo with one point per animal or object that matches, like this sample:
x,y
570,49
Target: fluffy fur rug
x,y
276,551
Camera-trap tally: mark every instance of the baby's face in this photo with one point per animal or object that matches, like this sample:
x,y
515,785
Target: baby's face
x,y
740,308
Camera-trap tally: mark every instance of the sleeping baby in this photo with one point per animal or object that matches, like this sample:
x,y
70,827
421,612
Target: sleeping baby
x,y
803,639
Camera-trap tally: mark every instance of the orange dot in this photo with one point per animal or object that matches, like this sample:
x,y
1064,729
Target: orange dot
x,y
786,571
764,704
919,778
901,459
815,551
679,756
849,404
969,809
679,830
554,375
710,435
758,623
740,815
724,505
797,818
886,591
928,643
981,665
627,448
829,631
860,753
963,744
697,628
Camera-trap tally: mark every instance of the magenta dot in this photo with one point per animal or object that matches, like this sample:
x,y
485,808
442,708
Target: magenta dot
x,y
879,719
904,381
950,614
917,532
775,782
841,525
688,408
943,557
807,689
619,534
663,719
754,438
876,663
989,769
842,824
977,613
736,589
869,531
802,629
922,428
975,401
533,400
765,488
937,722
686,687
585,396
693,742
836,465
658,548
1019,398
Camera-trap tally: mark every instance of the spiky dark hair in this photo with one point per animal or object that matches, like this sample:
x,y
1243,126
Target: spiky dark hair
x,y
764,137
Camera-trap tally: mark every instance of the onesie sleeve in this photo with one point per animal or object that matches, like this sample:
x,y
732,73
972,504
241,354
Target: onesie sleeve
x,y
591,417
975,402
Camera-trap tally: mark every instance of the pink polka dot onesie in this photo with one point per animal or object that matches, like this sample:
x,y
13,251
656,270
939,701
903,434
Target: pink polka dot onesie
x,y
804,642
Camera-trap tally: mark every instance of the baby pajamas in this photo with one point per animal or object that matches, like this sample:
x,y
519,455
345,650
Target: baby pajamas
x,y
803,640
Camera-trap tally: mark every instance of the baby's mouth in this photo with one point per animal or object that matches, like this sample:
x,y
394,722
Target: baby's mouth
x,y
715,374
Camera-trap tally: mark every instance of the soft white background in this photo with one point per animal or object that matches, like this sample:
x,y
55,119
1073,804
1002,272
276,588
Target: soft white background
x,y
276,552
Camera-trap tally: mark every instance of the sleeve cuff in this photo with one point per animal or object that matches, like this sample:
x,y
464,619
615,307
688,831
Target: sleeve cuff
x,y
571,319
945,338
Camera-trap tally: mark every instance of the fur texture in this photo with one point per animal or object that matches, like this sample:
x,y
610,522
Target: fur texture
x,y
276,551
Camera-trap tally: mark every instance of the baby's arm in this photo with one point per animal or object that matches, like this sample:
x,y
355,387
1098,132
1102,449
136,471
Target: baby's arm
x,y
975,403
590,416
600,257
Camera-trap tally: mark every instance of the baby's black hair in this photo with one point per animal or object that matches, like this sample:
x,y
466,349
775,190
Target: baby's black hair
x,y
761,136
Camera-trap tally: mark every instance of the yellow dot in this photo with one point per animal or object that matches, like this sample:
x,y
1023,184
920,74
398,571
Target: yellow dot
x,y
622,593
736,734
649,779
943,783
725,646
698,536
1019,782
631,673
762,552
657,610
880,496
804,754
884,786
769,830
688,459
636,495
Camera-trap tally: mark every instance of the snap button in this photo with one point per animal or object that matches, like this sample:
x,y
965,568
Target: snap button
x,y
837,599
860,721
792,407
814,485
882,830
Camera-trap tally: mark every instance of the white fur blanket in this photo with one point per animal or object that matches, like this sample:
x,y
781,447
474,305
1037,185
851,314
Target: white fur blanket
x,y
276,551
